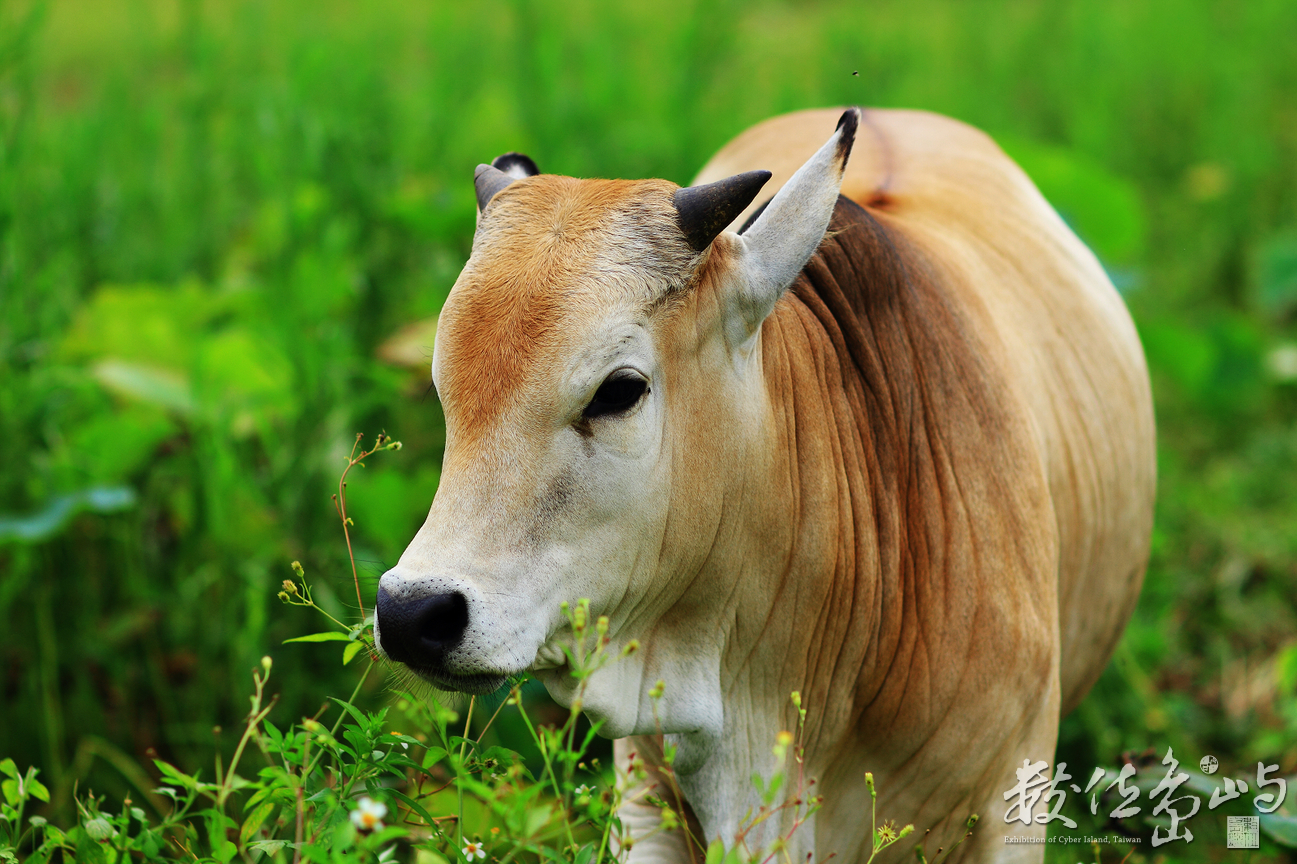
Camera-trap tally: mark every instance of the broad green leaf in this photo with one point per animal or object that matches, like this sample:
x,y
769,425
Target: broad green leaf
x,y
140,323
243,376
37,789
1280,828
110,446
10,789
715,852
329,636
390,502
58,512
1277,273
91,851
269,847
156,385
427,856
7,766
1104,209
255,820
537,819
433,756
349,653
224,851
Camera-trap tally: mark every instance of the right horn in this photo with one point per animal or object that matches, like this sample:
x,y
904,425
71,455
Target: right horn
x,y
702,212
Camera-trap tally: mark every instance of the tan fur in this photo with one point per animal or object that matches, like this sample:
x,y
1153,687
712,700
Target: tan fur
x,y
510,311
920,493
1050,315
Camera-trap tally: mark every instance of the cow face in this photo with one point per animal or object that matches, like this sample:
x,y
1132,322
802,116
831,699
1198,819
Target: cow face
x,y
595,364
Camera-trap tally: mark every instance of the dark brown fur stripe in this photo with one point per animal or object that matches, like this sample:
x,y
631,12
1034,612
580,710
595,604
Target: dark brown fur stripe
x,y
924,409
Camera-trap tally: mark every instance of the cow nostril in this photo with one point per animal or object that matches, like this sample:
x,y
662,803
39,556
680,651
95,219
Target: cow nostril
x,y
421,631
443,620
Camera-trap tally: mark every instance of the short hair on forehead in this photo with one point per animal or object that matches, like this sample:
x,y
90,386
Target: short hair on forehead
x,y
549,253
568,235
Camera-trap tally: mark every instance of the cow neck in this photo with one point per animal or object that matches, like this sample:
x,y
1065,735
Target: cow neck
x,y
877,390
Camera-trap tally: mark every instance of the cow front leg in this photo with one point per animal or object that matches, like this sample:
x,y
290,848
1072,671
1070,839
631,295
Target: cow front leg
x,y
642,820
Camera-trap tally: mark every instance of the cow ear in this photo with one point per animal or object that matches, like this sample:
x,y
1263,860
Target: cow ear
x,y
516,165
777,245
488,180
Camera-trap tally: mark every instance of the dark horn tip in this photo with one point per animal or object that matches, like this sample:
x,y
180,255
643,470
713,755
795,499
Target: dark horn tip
x,y
516,165
702,212
848,124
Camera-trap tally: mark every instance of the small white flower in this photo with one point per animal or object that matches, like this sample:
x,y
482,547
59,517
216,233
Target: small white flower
x,y
368,815
582,790
474,849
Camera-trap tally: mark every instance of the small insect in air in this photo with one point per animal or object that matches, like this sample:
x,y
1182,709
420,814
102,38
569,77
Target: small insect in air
x,y
857,72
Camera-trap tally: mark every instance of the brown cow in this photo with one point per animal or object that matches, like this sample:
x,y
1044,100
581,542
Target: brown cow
x,y
905,467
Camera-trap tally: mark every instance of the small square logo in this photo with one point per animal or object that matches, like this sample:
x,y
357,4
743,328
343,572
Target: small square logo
x,y
1243,832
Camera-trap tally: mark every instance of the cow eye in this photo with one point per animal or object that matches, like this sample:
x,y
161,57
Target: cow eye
x,y
616,395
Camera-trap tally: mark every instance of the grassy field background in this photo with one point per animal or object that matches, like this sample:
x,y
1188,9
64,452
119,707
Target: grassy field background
x,y
213,214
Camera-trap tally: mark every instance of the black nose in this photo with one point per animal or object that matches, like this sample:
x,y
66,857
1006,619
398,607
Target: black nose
x,y
420,631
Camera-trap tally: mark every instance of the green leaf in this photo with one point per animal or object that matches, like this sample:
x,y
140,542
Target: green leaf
x,y
174,775
90,851
37,789
7,766
433,756
253,823
353,711
776,782
1280,828
1104,209
715,852
537,819
154,385
1277,273
584,856
10,789
349,653
58,511
330,636
413,805
269,847
224,851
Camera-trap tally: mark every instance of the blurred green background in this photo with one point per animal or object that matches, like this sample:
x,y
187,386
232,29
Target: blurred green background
x,y
213,217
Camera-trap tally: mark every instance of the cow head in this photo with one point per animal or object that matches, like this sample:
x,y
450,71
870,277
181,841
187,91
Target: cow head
x,y
599,365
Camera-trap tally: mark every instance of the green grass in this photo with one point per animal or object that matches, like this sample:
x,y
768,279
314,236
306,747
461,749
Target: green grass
x,y
211,214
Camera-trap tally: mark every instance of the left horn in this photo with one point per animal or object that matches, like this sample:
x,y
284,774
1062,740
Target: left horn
x,y
702,212
487,182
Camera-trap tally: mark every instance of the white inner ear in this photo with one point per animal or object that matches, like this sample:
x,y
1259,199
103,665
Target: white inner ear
x,y
786,234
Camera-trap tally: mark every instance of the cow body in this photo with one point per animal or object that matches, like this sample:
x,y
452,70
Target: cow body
x,y
916,486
